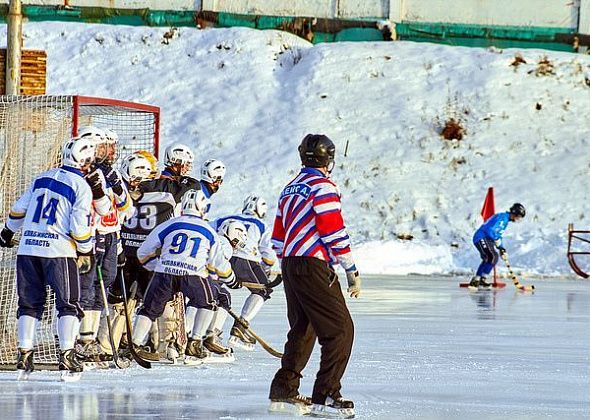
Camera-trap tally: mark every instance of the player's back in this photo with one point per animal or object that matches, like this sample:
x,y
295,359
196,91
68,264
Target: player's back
x,y
156,204
186,242
47,208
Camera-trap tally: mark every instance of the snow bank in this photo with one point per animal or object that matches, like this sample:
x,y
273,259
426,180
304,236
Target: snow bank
x,y
248,97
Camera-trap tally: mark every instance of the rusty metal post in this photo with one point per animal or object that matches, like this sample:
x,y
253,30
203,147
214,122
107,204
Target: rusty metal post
x,y
14,48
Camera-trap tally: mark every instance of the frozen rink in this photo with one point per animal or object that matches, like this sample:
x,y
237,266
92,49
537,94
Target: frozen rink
x,y
424,348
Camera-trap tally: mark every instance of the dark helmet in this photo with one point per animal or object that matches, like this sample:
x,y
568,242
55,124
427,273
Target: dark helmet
x,y
316,151
517,209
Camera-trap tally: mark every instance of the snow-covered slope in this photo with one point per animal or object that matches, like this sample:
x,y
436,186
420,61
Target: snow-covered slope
x,y
248,97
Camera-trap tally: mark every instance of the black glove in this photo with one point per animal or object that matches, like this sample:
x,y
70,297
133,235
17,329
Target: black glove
x,y
113,178
233,282
6,238
121,260
502,250
93,179
84,263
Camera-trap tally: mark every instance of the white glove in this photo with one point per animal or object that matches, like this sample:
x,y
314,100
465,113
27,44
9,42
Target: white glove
x,y
354,283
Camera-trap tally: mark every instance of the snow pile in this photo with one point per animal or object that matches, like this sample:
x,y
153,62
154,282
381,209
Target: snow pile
x,y
248,97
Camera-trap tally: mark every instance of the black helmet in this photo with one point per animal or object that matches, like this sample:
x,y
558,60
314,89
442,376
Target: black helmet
x,y
316,151
517,209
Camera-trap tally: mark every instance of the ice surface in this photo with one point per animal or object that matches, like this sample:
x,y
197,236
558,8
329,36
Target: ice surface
x,y
423,348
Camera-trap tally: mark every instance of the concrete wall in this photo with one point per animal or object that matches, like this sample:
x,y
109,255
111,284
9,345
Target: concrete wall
x,y
539,13
584,27
546,13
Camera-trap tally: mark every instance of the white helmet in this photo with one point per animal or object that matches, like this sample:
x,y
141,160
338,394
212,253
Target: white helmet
x,y
111,136
178,154
195,203
97,135
235,232
78,152
136,168
255,205
213,171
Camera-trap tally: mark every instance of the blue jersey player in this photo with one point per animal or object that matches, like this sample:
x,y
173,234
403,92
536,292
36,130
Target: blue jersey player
x,y
489,237
54,214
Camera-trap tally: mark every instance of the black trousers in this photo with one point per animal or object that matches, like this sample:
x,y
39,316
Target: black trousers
x,y
315,308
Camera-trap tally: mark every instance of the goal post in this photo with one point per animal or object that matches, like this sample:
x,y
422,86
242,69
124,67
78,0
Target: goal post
x,y
33,130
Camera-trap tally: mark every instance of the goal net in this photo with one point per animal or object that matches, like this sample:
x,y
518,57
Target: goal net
x,y
33,130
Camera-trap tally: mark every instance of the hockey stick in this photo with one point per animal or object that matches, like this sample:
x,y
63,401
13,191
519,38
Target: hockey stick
x,y
274,283
263,343
118,362
251,285
141,362
519,286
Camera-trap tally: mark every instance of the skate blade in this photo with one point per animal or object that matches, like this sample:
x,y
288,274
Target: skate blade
x,y
95,365
23,375
220,358
276,407
193,361
67,376
331,412
237,343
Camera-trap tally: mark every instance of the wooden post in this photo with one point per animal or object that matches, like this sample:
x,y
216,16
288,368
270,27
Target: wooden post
x,y
14,48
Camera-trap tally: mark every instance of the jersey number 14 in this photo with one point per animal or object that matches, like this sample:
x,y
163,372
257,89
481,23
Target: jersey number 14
x,y
46,212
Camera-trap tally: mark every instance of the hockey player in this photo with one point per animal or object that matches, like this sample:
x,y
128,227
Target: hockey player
x,y
212,175
157,201
108,251
310,237
233,235
135,168
187,249
179,161
56,242
251,263
489,237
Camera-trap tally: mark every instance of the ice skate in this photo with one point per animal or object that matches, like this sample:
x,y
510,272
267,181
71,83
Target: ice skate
x,y
213,358
298,405
334,408
24,364
239,337
213,343
70,368
174,353
195,352
474,283
147,353
483,284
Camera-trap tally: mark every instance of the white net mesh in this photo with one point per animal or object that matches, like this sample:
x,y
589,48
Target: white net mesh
x,y
32,132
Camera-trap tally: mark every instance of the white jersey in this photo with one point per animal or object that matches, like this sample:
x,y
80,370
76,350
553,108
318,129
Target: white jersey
x,y
258,246
54,214
186,245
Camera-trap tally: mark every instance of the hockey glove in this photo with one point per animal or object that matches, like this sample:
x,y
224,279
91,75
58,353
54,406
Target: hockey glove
x,y
94,180
84,263
6,238
121,260
233,282
113,179
354,282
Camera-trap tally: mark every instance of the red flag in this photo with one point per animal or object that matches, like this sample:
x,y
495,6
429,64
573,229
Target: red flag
x,y
488,209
